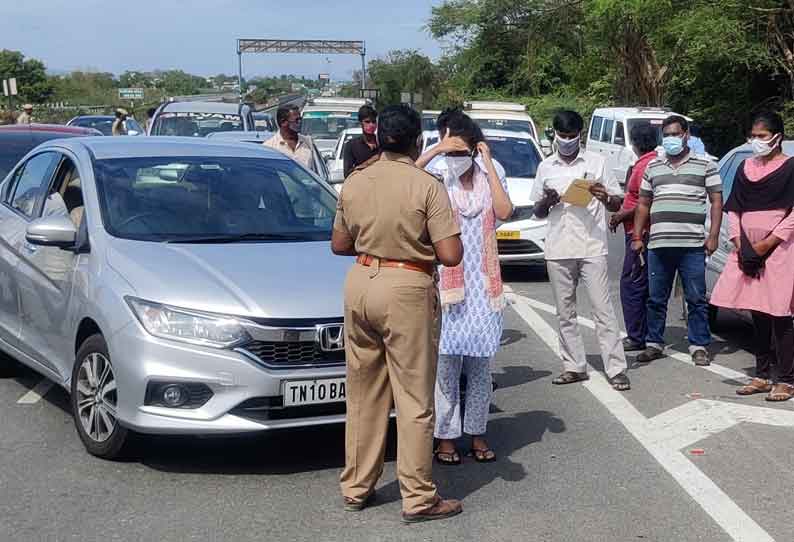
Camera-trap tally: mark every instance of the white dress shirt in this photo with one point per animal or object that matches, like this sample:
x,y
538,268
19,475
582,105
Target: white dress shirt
x,y
575,232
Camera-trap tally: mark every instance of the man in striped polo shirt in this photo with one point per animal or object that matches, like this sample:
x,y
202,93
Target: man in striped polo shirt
x,y
674,193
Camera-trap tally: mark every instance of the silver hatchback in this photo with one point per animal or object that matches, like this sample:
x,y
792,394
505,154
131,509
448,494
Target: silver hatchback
x,y
173,285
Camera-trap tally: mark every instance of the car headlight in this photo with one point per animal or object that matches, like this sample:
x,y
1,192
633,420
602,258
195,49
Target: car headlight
x,y
188,326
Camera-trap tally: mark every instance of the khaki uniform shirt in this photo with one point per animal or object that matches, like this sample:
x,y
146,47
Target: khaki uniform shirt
x,y
118,128
302,153
24,118
394,210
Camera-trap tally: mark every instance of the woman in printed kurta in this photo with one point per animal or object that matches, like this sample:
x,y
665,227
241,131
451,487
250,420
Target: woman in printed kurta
x,y
471,293
759,276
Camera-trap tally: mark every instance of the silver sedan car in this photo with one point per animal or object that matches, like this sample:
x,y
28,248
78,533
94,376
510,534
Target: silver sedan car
x,y
174,286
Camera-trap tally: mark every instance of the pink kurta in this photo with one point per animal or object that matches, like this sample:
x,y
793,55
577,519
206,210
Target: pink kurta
x,y
773,293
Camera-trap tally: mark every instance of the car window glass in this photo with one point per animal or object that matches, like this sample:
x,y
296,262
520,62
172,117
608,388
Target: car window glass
x,y
168,199
620,134
606,134
595,128
518,157
32,182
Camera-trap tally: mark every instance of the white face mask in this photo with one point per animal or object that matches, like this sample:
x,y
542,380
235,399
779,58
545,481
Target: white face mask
x,y
763,148
458,165
567,147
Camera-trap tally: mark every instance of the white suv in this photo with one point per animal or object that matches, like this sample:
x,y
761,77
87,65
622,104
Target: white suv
x,y
609,134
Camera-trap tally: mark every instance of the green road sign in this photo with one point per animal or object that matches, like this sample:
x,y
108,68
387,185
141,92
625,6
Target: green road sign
x,y
130,94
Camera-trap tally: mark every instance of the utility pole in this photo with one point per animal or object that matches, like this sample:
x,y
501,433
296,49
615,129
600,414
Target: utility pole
x,y
240,71
363,65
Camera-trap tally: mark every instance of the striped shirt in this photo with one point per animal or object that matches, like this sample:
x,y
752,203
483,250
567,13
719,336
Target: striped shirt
x,y
679,194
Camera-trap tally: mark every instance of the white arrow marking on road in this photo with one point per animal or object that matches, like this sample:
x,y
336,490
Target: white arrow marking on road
x,y
662,436
35,395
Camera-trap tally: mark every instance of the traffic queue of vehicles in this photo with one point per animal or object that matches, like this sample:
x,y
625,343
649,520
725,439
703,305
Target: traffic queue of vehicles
x,y
183,285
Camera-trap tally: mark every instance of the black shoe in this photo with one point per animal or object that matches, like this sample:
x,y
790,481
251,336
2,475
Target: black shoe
x,y
631,346
649,354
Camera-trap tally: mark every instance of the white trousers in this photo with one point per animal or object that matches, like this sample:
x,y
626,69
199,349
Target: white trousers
x,y
478,395
565,276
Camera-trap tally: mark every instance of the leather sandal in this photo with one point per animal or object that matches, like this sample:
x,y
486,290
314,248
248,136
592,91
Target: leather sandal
x,y
620,382
353,505
780,392
482,455
442,509
569,377
756,385
447,458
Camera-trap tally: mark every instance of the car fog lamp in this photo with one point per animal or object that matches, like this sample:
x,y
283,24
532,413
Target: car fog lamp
x,y
175,396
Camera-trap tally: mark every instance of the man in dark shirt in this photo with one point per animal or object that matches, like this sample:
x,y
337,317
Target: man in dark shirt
x,y
359,150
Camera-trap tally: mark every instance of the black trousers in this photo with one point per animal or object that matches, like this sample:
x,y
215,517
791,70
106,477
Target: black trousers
x,y
780,353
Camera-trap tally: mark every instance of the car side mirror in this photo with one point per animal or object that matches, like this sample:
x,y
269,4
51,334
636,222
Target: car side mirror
x,y
620,141
327,155
52,231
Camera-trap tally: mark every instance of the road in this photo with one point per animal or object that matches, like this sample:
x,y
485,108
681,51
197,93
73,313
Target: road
x,y
678,458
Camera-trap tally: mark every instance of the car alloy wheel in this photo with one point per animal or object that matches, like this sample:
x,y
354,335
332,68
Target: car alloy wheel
x,y
97,399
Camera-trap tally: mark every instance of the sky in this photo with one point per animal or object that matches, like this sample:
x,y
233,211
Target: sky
x,y
199,36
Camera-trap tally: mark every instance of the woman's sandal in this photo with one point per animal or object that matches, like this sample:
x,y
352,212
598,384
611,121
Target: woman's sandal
x,y
569,377
756,385
780,392
447,458
482,455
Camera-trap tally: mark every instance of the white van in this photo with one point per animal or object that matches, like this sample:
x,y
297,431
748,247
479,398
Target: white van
x,y
324,119
507,116
609,134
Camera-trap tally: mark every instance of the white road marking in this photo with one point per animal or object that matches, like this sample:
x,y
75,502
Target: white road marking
x,y
725,372
663,435
36,393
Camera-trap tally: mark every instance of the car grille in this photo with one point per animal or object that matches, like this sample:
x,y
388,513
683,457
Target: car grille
x,y
272,408
291,354
508,247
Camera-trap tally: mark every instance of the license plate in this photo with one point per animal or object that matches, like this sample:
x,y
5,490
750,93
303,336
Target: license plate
x,y
506,234
314,392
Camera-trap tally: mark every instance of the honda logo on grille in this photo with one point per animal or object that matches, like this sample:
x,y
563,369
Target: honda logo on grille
x,y
331,337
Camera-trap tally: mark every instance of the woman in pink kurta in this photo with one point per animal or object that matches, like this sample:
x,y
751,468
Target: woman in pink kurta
x,y
759,275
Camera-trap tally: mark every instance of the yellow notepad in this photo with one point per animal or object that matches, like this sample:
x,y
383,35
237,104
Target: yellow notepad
x,y
578,193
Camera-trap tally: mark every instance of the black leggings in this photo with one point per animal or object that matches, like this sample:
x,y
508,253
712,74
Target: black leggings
x,y
781,353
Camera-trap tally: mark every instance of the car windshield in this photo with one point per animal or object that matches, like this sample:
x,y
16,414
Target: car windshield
x,y
196,124
518,156
429,123
656,124
103,124
505,124
212,200
327,125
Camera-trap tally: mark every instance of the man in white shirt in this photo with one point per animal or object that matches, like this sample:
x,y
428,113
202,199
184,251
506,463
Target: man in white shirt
x,y
576,249
289,140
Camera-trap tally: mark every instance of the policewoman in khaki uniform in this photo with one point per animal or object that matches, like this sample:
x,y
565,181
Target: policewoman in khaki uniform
x,y
398,221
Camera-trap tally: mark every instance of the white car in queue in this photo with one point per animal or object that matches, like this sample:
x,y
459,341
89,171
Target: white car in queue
x,y
336,163
521,239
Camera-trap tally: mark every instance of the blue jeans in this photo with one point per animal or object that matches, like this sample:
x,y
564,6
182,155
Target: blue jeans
x,y
691,265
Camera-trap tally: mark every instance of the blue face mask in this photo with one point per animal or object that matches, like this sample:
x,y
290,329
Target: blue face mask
x,y
673,145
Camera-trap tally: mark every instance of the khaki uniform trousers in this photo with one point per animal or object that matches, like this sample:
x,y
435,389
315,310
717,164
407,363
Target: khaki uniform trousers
x,y
392,325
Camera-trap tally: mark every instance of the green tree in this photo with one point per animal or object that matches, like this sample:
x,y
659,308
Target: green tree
x,y
32,81
403,71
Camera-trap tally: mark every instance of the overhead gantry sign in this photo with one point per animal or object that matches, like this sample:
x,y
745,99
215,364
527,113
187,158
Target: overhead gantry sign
x,y
325,47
